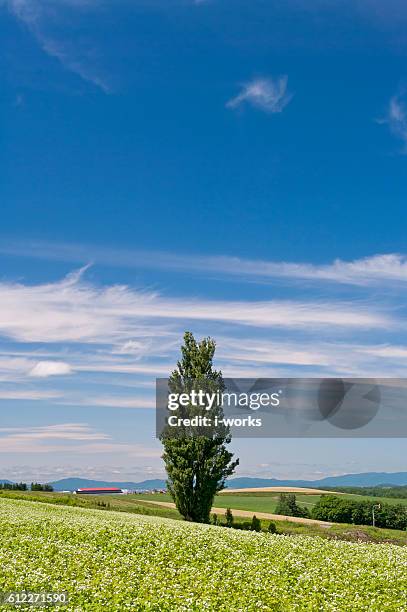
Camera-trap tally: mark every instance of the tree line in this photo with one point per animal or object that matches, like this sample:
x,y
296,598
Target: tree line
x,y
22,486
341,510
336,509
399,492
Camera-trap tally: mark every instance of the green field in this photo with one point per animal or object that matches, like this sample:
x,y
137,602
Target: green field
x,y
307,499
253,503
115,561
267,502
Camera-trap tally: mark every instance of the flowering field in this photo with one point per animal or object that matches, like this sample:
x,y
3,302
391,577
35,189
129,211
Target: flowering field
x,y
113,561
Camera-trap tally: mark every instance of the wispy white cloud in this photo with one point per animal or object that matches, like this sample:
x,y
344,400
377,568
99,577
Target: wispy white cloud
x,y
396,119
39,16
268,94
44,369
374,270
16,366
253,356
78,438
72,310
108,401
273,352
28,394
109,366
387,351
321,357
131,347
113,336
39,471
66,431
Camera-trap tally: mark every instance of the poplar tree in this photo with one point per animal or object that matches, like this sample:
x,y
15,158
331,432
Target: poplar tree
x,y
197,462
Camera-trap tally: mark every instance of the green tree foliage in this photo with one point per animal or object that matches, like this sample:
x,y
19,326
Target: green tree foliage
x,y
255,525
197,462
341,510
229,517
36,486
287,506
272,528
13,486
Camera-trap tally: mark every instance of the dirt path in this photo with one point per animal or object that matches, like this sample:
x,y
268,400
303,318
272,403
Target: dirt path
x,y
249,514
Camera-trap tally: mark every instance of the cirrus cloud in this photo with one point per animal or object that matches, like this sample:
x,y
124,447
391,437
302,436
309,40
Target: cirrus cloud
x,y
40,18
397,119
267,94
71,310
376,269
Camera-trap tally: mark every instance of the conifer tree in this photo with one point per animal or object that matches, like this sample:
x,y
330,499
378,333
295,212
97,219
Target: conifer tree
x,y
197,462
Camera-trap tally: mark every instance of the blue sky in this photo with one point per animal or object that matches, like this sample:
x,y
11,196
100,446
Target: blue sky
x,y
233,168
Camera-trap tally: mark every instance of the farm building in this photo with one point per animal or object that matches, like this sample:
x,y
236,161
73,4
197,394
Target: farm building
x,y
99,491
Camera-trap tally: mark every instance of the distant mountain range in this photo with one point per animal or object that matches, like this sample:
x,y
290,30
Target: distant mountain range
x,y
70,484
367,479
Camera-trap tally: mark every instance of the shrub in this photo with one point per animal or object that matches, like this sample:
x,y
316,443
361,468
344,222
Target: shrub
x,y
244,525
255,524
229,518
272,527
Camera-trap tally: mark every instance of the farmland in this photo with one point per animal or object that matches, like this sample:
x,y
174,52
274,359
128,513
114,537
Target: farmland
x,y
120,561
266,501
148,505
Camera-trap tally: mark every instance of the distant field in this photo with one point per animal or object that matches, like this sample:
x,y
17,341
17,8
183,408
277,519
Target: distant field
x,y
266,501
116,561
260,503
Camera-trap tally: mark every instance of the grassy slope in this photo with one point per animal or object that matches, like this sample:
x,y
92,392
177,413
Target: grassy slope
x,y
119,503
116,561
132,504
